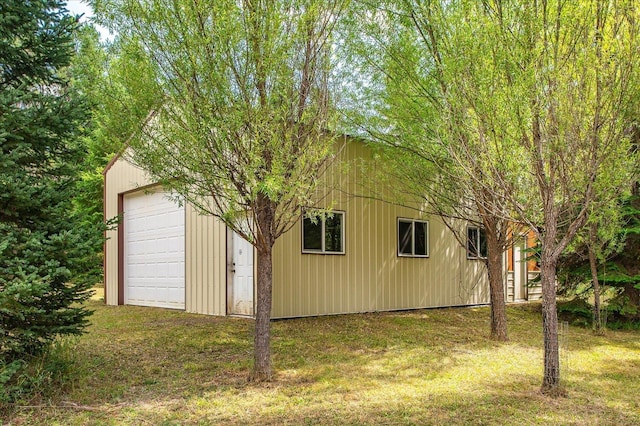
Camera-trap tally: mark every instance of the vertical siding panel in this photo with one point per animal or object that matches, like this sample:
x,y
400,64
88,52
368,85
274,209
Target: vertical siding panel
x,y
200,261
200,264
214,283
188,253
386,222
437,259
350,261
362,238
319,272
385,261
387,229
323,268
196,260
205,259
367,255
384,271
304,296
290,293
206,264
346,275
218,269
447,255
194,282
216,272
296,302
355,257
383,227
282,294
277,288
299,299
301,295
196,271
395,280
382,261
222,267
196,278
209,262
297,294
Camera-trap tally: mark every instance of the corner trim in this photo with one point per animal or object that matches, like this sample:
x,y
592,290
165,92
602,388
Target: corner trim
x,y
121,250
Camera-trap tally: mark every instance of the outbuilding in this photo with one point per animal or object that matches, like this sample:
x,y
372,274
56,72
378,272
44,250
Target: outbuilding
x,y
367,256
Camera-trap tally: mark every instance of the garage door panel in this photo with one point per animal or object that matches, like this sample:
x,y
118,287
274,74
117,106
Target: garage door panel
x,y
154,251
173,269
172,235
173,294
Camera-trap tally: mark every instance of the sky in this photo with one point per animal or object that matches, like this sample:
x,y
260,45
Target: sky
x,y
79,7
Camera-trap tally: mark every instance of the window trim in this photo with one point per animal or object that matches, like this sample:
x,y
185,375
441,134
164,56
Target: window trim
x,y
322,232
478,254
413,239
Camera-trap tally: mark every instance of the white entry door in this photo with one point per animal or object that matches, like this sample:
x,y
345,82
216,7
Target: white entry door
x,y
242,277
519,271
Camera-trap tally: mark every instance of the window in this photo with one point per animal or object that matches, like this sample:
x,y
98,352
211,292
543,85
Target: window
x,y
323,234
476,243
413,238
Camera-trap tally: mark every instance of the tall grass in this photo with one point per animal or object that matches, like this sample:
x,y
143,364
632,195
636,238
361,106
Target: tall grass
x,y
36,377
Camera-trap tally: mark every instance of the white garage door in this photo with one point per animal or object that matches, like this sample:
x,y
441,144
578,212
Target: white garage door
x,y
153,251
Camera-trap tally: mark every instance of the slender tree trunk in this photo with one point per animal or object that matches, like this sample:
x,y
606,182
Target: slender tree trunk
x,y
496,288
551,379
264,217
593,264
262,339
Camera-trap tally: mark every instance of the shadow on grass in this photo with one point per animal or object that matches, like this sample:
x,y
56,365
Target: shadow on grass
x,y
144,365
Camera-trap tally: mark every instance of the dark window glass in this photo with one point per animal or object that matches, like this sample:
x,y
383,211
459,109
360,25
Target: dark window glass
x,y
405,237
472,242
483,243
420,229
312,234
333,233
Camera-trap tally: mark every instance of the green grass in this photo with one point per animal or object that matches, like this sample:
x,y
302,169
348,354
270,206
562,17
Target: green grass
x,y
153,366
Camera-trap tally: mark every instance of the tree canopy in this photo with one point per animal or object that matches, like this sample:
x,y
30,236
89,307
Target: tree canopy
x,y
238,101
530,104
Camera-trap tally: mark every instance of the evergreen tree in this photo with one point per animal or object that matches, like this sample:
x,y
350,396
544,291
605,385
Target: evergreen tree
x,y
43,244
617,268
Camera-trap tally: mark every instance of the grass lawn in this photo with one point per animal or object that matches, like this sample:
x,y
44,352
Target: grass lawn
x,y
154,366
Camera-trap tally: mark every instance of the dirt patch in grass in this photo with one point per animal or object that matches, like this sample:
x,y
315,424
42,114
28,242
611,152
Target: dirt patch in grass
x,y
153,366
